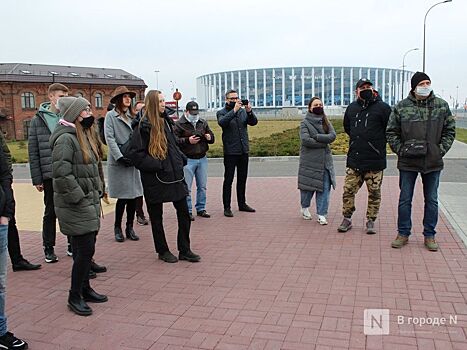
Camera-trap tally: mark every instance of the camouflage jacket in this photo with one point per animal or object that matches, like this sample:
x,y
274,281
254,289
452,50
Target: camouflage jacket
x,y
421,132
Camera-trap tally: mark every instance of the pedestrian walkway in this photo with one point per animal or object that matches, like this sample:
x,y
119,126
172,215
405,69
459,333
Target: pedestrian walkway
x,y
267,280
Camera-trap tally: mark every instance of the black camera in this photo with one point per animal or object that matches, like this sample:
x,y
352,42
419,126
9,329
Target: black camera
x,y
245,102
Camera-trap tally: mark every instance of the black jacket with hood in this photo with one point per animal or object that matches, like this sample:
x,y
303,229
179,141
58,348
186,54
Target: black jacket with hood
x,y
163,180
365,123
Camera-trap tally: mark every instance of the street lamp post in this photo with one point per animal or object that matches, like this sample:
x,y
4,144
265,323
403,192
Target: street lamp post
x,y
157,78
53,74
424,28
274,96
403,69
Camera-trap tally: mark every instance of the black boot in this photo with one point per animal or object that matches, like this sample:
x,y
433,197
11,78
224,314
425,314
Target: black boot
x,y
91,296
97,268
118,234
78,305
130,233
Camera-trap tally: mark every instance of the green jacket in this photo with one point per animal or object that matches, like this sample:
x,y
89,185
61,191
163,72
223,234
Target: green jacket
x,y
429,125
77,186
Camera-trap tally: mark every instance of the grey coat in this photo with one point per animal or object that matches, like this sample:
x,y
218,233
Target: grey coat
x,y
123,182
315,154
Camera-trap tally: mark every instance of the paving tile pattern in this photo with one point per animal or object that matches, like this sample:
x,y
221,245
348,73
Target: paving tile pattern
x,y
268,280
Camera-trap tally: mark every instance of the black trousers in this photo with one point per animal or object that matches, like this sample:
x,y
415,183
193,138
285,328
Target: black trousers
x,y
230,163
83,248
139,207
49,222
14,249
130,205
184,223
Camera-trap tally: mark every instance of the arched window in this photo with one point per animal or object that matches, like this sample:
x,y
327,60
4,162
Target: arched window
x,y
28,100
98,100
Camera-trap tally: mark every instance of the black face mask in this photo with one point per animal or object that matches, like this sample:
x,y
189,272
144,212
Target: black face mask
x,y
230,105
86,123
366,95
317,110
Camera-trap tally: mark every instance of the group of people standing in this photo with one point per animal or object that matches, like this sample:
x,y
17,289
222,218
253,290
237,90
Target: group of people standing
x,y
420,130
150,154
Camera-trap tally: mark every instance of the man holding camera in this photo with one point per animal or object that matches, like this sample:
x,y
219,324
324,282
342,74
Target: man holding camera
x,y
193,136
234,119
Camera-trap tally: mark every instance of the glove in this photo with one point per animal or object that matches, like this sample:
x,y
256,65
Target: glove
x,y
124,161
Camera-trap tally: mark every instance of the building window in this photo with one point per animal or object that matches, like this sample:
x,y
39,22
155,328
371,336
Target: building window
x,y
98,100
27,100
79,94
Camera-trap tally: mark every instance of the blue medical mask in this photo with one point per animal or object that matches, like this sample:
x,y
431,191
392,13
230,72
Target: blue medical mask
x,y
193,119
423,90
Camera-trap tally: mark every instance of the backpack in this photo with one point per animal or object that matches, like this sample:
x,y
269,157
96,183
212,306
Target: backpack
x,y
100,125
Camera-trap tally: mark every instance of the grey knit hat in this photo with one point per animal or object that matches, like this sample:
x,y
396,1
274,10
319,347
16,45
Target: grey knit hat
x,y
70,107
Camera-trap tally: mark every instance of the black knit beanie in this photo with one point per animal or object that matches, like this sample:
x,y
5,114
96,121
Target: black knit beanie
x,y
417,78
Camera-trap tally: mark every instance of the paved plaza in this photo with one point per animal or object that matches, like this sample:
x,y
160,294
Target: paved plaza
x,y
267,280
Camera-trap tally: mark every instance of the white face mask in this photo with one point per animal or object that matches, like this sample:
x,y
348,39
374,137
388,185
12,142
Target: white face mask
x,y
193,119
423,90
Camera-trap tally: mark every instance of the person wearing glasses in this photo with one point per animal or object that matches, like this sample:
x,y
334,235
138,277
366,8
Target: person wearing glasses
x,y
234,119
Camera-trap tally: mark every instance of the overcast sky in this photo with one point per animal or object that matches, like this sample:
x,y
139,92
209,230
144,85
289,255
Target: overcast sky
x,y
184,39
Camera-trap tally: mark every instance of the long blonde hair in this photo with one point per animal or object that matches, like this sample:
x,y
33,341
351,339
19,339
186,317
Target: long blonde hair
x,y
158,139
89,141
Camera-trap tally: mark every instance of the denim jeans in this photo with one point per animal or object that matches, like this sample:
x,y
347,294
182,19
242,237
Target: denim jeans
x,y
430,182
198,169
322,198
3,271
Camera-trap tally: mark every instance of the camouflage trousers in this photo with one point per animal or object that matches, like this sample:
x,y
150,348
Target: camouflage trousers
x,y
353,182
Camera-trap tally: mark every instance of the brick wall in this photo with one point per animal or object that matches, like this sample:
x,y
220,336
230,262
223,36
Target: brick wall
x,y
14,119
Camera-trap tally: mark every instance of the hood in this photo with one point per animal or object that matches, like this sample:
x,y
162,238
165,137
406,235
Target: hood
x,y
59,131
44,108
146,125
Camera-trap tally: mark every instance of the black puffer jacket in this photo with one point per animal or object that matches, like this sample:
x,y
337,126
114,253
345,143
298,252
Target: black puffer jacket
x,y
7,202
184,130
40,153
234,130
366,123
163,180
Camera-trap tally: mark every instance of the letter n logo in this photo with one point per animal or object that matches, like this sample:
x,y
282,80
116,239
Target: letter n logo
x,y
376,322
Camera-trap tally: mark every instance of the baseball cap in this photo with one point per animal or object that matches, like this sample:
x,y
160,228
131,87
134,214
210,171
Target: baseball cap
x,y
363,81
192,107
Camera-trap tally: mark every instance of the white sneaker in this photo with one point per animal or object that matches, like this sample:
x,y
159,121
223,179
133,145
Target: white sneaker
x,y
305,214
322,220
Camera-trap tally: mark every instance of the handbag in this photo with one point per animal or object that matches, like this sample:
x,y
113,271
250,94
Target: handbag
x,y
126,146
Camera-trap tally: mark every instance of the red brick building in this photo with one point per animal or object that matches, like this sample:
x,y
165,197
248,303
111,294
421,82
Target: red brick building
x,y
23,87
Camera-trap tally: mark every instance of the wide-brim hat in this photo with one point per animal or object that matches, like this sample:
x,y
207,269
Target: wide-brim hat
x,y
119,91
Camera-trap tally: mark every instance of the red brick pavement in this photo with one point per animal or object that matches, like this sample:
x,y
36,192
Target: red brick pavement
x,y
268,280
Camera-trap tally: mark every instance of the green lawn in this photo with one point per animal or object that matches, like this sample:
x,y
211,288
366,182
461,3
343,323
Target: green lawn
x,y
461,135
268,138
